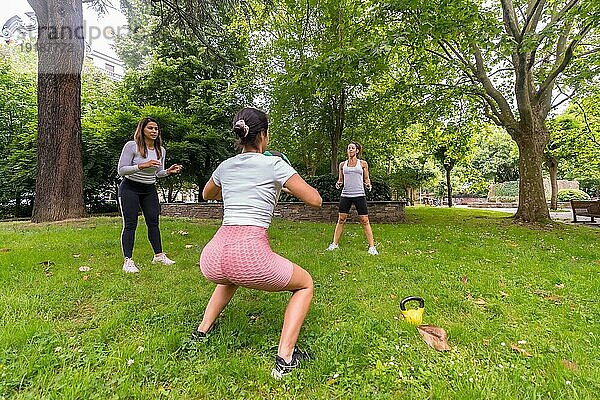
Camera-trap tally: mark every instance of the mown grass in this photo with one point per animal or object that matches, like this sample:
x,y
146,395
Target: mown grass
x,y
66,334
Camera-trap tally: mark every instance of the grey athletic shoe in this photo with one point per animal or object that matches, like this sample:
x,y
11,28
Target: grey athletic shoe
x,y
333,246
163,259
129,266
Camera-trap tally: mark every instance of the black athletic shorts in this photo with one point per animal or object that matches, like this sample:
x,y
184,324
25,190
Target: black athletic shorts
x,y
359,202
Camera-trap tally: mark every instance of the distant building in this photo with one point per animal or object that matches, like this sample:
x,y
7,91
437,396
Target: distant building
x,y
110,65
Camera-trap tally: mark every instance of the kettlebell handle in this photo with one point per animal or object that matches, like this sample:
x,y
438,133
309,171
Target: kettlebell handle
x,y
411,298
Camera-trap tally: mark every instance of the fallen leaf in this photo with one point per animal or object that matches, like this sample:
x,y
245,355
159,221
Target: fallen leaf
x,y
393,296
553,298
344,272
570,365
4,250
84,268
98,274
520,350
189,246
48,273
464,279
560,286
330,381
76,255
434,336
183,233
503,294
486,342
85,277
46,263
480,302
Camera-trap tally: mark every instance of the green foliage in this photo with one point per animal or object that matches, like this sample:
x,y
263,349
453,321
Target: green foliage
x,y
575,142
507,189
18,133
318,69
64,336
572,194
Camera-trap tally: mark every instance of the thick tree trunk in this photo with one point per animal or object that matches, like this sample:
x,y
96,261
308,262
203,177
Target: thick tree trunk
x,y
532,199
553,169
448,185
59,180
339,108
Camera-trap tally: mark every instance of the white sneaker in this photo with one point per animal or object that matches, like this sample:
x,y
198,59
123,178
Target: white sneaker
x,y
163,259
332,247
129,266
373,251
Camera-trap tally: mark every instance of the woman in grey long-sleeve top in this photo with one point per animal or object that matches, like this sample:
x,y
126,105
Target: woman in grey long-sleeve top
x,y
142,161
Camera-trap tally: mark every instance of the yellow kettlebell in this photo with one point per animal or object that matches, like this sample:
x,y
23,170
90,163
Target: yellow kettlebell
x,y
414,315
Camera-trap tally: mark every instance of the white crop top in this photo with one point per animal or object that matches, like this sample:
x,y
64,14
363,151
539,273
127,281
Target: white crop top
x,y
250,184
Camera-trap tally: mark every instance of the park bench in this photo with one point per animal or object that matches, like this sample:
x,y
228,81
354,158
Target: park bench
x,y
585,208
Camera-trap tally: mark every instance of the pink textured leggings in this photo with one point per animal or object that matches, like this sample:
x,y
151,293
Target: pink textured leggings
x,y
241,255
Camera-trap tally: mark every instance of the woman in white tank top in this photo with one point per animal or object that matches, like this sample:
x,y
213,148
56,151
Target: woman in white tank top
x,y
354,176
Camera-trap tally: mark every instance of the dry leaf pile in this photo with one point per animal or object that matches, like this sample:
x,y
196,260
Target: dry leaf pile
x,y
434,336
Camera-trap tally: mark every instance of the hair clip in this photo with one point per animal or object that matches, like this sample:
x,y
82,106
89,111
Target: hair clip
x,y
242,124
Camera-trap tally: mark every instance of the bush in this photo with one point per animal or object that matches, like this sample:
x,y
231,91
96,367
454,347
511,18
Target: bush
x,y
572,194
507,189
325,184
8,211
98,205
503,199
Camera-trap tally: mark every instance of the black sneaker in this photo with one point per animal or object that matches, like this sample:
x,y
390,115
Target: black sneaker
x,y
198,336
283,368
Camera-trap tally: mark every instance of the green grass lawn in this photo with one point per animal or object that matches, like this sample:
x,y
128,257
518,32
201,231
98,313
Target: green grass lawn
x,y
489,282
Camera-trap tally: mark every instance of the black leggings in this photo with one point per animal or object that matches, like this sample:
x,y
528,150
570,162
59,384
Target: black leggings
x,y
132,197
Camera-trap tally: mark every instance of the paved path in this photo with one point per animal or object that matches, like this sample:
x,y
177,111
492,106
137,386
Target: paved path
x,y
563,216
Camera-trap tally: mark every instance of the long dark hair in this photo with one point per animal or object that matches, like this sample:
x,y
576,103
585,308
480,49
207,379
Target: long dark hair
x,y
248,123
138,136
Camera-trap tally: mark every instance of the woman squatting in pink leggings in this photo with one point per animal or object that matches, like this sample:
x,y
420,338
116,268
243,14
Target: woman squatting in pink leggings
x,y
239,254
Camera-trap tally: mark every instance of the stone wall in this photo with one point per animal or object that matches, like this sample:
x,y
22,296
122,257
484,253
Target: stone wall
x,y
379,211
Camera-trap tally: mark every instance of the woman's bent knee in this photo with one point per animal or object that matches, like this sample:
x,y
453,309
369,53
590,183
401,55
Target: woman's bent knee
x,y
301,279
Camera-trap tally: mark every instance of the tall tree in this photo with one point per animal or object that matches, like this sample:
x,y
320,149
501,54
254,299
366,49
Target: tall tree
x,y
319,58
512,55
450,143
59,179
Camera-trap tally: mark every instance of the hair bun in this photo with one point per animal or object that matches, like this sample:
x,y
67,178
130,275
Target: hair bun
x,y
240,128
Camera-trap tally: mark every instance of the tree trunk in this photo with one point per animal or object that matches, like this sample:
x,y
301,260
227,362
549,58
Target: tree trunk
x,y
532,199
448,185
59,180
339,107
553,169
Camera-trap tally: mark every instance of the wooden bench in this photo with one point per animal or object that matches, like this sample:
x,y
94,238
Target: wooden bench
x,y
585,208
